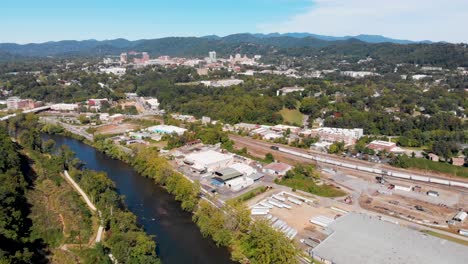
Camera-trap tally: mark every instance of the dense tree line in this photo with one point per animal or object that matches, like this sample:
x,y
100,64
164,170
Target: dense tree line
x,y
16,245
125,238
251,242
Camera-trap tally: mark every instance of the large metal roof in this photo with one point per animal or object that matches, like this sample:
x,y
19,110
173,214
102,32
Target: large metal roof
x,y
360,238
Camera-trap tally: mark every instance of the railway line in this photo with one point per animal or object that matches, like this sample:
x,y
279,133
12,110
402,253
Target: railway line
x,y
355,165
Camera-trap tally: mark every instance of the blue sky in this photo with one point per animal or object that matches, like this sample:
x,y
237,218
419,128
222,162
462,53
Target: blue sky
x,y
25,21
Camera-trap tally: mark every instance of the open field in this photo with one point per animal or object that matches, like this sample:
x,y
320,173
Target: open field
x,y
116,128
293,117
425,164
308,185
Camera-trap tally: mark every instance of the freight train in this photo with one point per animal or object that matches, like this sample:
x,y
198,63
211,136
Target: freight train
x,y
389,173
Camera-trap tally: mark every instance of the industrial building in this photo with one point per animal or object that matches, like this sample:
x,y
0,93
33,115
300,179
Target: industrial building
x,y
277,168
64,107
364,239
165,129
209,160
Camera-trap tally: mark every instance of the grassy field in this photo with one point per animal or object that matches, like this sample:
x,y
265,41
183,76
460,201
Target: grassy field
x,y
425,164
251,194
293,117
449,238
308,185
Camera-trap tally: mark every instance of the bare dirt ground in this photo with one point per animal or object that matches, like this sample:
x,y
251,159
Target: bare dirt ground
x,y
116,128
399,206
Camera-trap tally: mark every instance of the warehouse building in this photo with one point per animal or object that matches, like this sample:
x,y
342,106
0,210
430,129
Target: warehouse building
x,y
209,160
165,129
364,239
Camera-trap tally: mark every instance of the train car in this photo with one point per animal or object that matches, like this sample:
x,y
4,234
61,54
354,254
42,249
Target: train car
x,y
401,175
363,168
439,181
378,171
420,178
348,165
459,184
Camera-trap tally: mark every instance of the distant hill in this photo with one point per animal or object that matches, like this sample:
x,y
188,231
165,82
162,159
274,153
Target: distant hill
x,y
289,44
365,38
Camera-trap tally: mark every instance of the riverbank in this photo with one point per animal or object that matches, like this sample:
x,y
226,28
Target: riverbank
x,y
246,244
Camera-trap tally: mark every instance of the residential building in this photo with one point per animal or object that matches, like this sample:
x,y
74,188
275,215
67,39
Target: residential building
x,y
286,90
153,103
114,70
458,161
358,74
222,83
331,134
16,103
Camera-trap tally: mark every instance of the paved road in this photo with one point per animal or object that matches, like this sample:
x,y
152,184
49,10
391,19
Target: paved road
x,y
81,131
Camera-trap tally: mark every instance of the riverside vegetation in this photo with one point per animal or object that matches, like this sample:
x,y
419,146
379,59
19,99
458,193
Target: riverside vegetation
x,y
51,222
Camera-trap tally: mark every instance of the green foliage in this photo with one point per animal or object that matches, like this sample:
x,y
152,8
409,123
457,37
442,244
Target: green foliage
x,y
304,177
336,148
401,161
446,149
291,116
442,167
265,245
148,163
128,242
16,245
251,194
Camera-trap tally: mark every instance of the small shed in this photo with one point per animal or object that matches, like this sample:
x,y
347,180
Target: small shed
x,y
459,161
277,168
433,157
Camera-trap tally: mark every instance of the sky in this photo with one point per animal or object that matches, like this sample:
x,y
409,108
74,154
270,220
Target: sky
x,y
26,21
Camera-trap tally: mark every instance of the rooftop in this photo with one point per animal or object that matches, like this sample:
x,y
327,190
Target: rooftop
x,y
227,174
208,157
277,166
359,238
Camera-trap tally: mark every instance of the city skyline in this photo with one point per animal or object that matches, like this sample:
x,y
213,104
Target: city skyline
x,y
33,22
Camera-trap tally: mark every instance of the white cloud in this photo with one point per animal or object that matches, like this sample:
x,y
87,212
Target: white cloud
x,y
435,20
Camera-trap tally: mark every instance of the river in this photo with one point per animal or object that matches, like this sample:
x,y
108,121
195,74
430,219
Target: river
x,y
177,238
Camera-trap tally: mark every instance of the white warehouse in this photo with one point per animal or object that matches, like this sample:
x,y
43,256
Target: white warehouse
x,y
209,160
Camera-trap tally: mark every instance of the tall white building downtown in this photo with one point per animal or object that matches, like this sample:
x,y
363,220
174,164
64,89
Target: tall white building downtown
x,y
212,56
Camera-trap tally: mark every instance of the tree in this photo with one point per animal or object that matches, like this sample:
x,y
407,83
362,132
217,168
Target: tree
x,y
266,245
445,149
269,158
401,161
49,146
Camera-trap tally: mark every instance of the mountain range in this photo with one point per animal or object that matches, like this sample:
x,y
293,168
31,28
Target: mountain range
x,y
199,46
362,37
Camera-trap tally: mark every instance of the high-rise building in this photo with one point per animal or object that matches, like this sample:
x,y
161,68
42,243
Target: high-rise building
x,y
145,56
212,56
123,58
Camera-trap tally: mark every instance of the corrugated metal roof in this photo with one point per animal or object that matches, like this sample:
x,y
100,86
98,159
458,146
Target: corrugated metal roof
x,y
227,174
